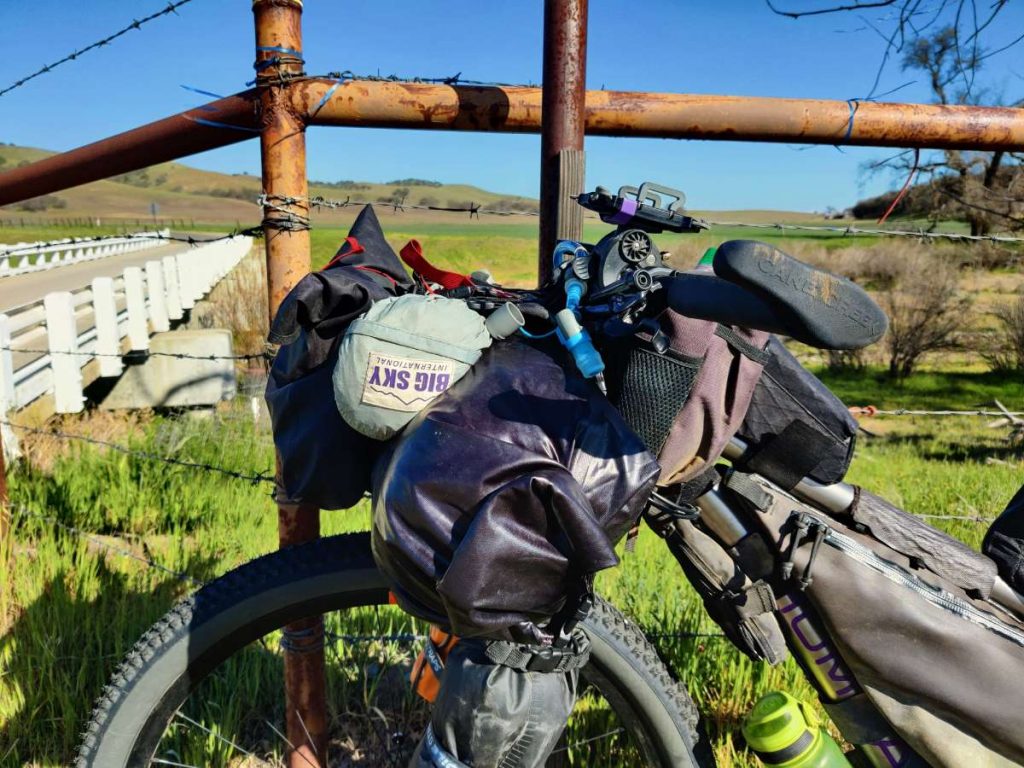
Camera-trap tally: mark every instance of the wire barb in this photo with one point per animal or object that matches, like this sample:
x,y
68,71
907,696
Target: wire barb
x,y
136,24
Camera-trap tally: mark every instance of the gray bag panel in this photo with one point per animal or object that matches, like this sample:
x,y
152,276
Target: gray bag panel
x,y
939,553
943,668
490,715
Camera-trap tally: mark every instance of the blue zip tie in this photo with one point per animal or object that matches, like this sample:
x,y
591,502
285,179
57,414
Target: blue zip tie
x,y
279,49
215,124
201,91
852,104
529,335
326,98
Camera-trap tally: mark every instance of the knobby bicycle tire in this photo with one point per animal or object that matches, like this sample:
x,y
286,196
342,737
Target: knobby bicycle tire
x,y
331,574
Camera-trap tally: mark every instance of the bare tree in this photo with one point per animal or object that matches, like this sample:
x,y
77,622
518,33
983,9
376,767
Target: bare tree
x,y
926,312
1007,351
944,40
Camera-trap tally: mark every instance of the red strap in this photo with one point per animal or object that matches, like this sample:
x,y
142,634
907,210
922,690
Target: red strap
x,y
353,247
412,254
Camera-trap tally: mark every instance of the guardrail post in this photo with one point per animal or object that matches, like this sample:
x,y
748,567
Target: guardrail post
x,y
135,299
8,440
65,362
157,297
185,290
108,340
563,117
283,150
174,310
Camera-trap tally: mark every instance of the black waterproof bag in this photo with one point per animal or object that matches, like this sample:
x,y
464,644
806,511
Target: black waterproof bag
x,y
795,426
322,460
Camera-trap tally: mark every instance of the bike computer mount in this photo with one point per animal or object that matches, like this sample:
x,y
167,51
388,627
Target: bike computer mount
x,y
644,208
627,259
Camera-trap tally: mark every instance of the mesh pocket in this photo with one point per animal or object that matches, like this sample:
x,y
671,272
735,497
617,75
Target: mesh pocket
x,y
649,389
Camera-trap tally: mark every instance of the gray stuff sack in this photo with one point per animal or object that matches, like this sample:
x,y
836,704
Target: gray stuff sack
x,y
400,356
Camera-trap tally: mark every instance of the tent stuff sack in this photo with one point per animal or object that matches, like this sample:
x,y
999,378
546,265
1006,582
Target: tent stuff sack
x,y
685,389
503,496
322,460
907,607
795,427
400,356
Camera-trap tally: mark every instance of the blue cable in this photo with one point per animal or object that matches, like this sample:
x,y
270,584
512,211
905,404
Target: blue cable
x,y
529,335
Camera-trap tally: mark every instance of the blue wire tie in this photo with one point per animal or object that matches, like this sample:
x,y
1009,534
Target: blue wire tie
x,y
201,91
327,97
852,104
279,49
215,124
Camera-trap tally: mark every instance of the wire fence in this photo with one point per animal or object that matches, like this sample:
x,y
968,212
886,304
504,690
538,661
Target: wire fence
x,y
136,24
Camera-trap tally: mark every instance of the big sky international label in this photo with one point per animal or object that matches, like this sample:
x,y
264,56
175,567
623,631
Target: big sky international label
x,y
401,384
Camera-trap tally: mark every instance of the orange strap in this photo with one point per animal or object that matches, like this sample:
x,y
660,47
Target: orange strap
x,y
429,665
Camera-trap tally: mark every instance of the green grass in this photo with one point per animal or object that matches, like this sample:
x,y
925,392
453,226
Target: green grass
x,y
70,609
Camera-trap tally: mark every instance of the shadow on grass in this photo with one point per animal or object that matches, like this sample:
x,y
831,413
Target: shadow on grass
x,y
61,649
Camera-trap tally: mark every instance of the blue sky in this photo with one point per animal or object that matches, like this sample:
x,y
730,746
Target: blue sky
x,y
728,46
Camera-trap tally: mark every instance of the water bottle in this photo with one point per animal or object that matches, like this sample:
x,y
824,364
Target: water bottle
x,y
784,733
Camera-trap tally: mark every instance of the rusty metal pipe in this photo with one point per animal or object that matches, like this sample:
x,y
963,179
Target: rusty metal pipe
x,y
196,130
561,134
283,152
666,115
517,110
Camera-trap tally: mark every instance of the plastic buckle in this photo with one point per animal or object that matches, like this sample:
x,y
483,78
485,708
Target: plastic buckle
x,y
546,659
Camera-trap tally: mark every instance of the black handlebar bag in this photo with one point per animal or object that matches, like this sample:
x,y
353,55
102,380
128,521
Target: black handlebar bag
x,y
323,461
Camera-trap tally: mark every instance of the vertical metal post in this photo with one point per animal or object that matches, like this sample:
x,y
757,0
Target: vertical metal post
x,y
562,123
285,217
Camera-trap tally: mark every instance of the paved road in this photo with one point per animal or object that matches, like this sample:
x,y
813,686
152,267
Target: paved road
x,y
25,289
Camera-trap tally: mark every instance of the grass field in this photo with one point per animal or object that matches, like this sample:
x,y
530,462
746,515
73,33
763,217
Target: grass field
x,y
70,607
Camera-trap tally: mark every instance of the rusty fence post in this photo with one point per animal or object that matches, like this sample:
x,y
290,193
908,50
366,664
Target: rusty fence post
x,y
563,117
286,232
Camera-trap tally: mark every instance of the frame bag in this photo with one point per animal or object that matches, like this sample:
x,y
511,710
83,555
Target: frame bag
x,y
907,607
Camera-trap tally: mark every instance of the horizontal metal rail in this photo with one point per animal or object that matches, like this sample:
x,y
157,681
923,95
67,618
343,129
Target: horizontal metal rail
x,y
514,109
21,258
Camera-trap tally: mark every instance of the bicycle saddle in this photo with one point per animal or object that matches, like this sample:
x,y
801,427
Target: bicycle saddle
x,y
758,286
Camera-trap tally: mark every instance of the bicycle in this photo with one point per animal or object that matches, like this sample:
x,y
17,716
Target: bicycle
x,y
639,711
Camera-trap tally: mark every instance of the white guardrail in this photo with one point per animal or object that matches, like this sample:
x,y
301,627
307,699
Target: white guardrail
x,y
21,258
69,329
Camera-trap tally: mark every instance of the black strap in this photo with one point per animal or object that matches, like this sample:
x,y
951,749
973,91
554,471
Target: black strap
x,y
742,346
790,456
532,658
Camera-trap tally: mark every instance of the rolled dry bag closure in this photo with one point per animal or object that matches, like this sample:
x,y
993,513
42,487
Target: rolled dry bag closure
x,y
399,356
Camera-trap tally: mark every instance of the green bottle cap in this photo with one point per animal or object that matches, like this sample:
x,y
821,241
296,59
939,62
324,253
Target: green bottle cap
x,y
708,257
775,723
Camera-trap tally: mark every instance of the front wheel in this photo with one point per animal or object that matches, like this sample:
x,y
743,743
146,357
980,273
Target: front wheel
x,y
203,687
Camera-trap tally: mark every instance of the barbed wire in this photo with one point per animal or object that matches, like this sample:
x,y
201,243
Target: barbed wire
x,y
275,202
252,478
94,538
871,411
266,356
136,24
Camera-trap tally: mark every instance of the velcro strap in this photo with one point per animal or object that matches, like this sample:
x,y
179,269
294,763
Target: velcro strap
x,y
790,456
526,658
743,485
755,600
412,254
